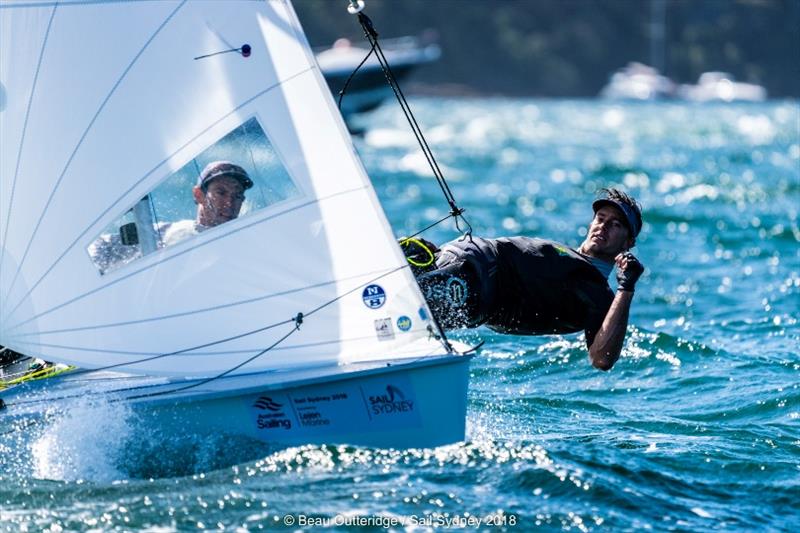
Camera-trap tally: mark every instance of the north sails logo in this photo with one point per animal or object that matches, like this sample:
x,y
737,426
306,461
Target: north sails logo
x,y
266,403
394,401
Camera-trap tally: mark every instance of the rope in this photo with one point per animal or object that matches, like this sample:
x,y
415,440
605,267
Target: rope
x,y
430,259
372,36
297,320
350,78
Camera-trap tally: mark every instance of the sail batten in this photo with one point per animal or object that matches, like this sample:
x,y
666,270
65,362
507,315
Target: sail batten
x,y
136,123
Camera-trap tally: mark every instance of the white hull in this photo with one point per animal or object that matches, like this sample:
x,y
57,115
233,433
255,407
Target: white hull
x,y
398,405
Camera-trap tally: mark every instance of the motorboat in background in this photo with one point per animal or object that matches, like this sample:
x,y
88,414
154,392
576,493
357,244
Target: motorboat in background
x,y
722,87
638,81
368,88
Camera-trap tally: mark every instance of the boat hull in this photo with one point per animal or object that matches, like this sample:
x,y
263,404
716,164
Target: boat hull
x,y
415,404
398,406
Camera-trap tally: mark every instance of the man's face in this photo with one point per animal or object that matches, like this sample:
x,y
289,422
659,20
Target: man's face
x,y
608,235
221,201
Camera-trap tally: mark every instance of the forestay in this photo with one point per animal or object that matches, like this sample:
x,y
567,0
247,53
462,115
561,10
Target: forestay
x,y
102,104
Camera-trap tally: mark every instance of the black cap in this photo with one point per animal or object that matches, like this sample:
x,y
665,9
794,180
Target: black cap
x,y
632,218
218,169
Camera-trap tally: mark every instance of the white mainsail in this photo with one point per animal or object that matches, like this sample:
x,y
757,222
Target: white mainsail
x,y
100,102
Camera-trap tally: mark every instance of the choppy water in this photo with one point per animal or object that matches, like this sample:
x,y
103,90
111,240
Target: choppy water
x,y
696,428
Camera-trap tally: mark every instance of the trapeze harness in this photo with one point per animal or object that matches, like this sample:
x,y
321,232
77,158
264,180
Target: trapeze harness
x,y
517,285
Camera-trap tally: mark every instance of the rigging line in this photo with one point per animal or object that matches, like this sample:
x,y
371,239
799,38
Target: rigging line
x,y
245,334
84,394
203,242
179,352
76,373
392,80
22,142
194,311
426,228
143,178
80,143
326,342
456,211
372,36
298,321
350,78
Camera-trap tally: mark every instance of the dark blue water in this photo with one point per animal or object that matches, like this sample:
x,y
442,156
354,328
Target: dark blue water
x,y
696,428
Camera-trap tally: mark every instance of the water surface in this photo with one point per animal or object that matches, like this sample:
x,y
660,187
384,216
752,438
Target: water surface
x,y
696,428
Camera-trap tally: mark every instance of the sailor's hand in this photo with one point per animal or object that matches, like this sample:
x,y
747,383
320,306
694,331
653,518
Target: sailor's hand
x,y
628,271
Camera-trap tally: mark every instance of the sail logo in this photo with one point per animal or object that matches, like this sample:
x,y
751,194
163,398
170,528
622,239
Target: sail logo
x,y
394,401
272,415
383,328
456,290
374,296
266,403
404,323
560,250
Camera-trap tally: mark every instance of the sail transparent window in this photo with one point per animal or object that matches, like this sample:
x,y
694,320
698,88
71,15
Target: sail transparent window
x,y
245,174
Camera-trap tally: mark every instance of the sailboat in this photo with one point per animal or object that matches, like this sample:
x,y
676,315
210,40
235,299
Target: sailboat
x,y
297,321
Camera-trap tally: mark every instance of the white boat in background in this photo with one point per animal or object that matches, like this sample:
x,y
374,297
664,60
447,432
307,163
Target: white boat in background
x,y
299,321
637,81
721,87
368,88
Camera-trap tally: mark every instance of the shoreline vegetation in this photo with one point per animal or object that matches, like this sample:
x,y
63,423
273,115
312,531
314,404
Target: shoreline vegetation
x,y
569,48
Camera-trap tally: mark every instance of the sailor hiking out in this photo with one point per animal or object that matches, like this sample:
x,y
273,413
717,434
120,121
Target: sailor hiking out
x,y
531,286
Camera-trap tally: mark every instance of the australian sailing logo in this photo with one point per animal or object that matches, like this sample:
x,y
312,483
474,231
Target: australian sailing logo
x,y
275,418
394,401
266,403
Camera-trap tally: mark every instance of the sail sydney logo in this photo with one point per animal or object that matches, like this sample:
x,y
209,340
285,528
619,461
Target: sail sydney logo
x,y
276,418
394,401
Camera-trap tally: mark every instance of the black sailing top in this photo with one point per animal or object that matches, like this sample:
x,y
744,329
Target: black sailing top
x,y
530,286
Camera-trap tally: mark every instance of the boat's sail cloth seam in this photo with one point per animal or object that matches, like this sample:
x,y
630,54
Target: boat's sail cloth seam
x,y
77,147
22,144
194,311
139,182
200,243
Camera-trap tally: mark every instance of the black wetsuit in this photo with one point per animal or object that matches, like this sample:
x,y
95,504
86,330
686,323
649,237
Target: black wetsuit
x,y
518,285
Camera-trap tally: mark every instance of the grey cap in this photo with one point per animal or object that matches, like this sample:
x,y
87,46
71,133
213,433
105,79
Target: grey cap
x,y
218,169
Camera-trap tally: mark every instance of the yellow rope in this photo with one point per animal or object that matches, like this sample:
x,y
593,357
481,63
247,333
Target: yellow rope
x,y
42,373
419,243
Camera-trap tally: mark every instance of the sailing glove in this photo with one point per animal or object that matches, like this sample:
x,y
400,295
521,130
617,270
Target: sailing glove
x,y
628,271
